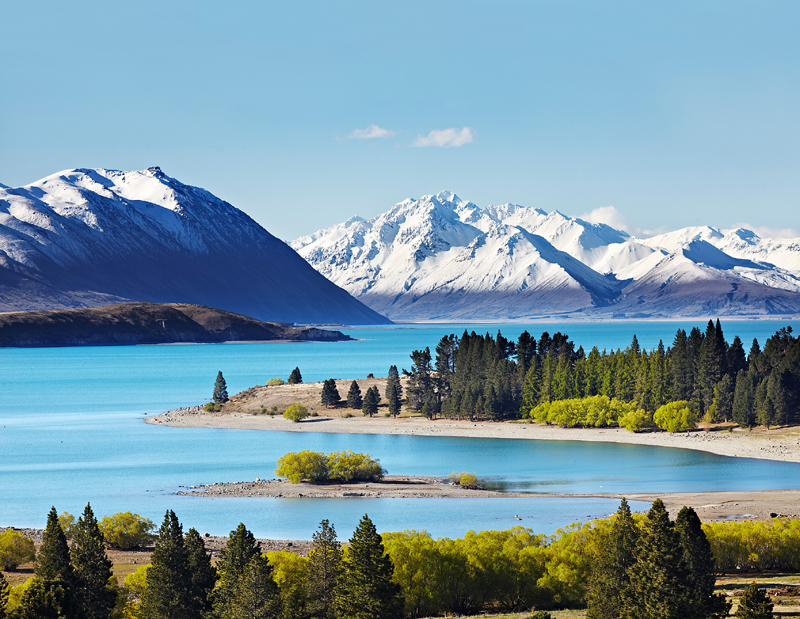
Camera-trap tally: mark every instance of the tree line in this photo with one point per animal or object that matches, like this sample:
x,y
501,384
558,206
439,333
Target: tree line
x,y
494,378
626,565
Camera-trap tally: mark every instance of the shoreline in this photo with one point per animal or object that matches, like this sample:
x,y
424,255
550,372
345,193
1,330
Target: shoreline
x,y
738,444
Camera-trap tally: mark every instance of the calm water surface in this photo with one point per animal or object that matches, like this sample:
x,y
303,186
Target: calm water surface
x,y
72,432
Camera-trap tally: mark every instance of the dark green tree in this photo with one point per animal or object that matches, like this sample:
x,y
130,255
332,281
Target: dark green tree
x,y
610,577
658,579
420,381
324,568
53,560
371,400
295,378
169,593
354,399
723,399
393,396
744,400
330,394
49,599
92,569
4,590
220,395
202,573
754,604
240,548
366,589
256,595
766,413
703,602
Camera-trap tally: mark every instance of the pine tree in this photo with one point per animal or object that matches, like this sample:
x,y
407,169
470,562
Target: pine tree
x,y
658,579
295,378
169,593
610,576
92,569
420,382
754,604
256,594
53,561
743,400
324,568
49,599
354,399
394,390
330,394
371,400
220,395
393,396
202,573
703,602
366,590
766,413
240,548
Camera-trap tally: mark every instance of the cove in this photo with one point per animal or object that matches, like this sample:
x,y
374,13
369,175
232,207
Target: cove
x,y
71,431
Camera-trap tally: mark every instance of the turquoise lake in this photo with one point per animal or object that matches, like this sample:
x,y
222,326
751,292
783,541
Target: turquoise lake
x,y
71,431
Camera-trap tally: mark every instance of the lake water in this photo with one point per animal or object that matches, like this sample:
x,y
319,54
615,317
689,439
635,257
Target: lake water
x,y
71,431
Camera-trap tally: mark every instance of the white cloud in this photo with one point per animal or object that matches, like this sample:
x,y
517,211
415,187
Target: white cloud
x,y
765,232
445,138
607,215
371,132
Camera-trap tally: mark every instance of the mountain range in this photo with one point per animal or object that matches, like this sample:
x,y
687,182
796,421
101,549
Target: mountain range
x,y
445,259
92,237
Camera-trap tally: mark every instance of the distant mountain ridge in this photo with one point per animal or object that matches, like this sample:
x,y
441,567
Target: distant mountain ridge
x,y
90,237
146,323
443,258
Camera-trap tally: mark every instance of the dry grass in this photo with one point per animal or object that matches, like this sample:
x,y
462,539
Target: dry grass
x,y
260,400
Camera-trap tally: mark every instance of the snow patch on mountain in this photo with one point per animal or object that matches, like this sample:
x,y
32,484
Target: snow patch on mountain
x,y
444,258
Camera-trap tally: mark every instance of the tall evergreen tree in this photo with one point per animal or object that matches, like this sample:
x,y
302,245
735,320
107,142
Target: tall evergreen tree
x,y
371,400
420,382
366,589
295,378
92,569
703,602
393,396
256,595
354,399
220,395
743,400
202,573
754,604
240,548
330,394
324,568
658,579
393,384
53,560
610,577
169,593
46,599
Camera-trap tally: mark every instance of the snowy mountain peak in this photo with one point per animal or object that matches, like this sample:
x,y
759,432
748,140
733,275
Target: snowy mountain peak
x,y
444,258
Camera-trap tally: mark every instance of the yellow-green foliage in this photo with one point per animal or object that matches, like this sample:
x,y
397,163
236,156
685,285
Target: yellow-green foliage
x,y
296,412
126,530
288,569
593,412
636,421
15,596
467,480
507,570
274,381
67,522
338,466
675,417
755,544
15,549
129,598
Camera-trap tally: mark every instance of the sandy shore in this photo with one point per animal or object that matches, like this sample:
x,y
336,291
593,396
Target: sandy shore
x,y
781,445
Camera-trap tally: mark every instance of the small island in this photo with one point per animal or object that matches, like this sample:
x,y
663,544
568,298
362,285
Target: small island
x,y
125,324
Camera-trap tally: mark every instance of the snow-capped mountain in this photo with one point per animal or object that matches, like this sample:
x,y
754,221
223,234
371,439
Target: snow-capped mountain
x,y
443,258
86,237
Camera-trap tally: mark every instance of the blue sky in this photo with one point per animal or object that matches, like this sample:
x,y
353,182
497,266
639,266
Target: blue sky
x,y
674,113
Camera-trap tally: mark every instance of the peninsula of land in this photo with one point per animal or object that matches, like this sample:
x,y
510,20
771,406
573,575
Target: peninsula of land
x,y
145,323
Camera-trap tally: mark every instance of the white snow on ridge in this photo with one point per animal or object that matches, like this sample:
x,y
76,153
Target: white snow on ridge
x,y
441,257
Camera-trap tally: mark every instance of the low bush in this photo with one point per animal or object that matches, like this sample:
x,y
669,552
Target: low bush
x,y
464,479
319,467
676,417
126,530
15,549
211,407
274,381
296,412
